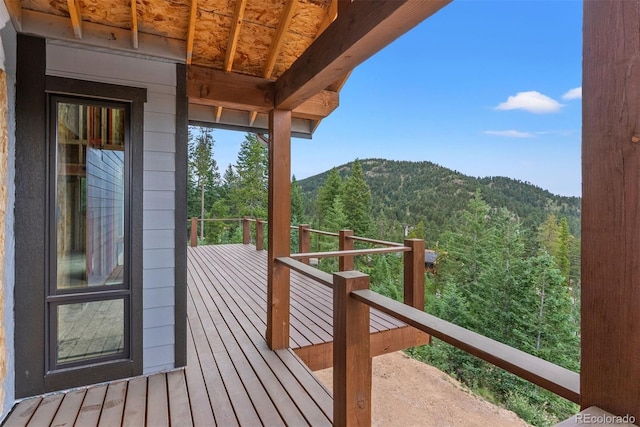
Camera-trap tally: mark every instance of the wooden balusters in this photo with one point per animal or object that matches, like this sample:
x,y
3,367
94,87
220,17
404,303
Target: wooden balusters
x,y
259,234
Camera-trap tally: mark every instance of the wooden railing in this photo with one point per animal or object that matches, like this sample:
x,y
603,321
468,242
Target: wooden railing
x,y
352,300
246,229
413,249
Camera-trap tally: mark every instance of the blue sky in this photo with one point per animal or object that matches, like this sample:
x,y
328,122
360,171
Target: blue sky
x,y
487,88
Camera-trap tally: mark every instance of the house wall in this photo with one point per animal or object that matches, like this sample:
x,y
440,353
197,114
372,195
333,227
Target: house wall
x,y
159,78
7,197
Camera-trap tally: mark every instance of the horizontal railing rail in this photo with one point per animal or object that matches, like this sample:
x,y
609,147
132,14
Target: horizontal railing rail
x,y
351,252
306,270
547,375
374,241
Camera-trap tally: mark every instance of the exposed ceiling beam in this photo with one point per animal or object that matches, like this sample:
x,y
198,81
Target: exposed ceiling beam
x,y
76,18
206,86
234,34
365,28
276,44
134,24
318,106
102,36
15,11
191,32
228,90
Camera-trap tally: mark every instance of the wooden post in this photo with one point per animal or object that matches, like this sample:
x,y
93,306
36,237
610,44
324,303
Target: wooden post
x,y
246,231
304,241
259,235
610,330
194,232
279,236
351,352
414,273
345,263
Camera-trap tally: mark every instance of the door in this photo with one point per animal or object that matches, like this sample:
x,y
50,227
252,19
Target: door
x,y
88,295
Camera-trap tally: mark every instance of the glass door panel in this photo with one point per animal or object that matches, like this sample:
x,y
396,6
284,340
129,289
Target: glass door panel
x,y
88,299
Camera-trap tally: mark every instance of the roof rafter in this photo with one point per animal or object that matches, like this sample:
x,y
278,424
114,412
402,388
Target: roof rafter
x,y
76,18
134,24
191,32
232,45
364,29
276,45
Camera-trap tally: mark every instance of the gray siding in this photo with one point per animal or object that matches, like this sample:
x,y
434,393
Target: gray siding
x,y
159,181
8,63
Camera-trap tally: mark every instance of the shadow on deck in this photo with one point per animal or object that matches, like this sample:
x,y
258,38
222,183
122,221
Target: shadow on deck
x,y
232,377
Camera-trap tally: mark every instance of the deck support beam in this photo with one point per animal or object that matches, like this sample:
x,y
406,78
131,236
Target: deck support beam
x,y
610,366
279,237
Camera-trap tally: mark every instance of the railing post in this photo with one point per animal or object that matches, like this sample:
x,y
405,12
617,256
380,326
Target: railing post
x,y
304,241
246,231
345,263
194,232
351,352
414,273
259,235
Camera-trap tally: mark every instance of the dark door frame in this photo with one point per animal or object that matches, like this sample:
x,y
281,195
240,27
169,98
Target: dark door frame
x,y
33,89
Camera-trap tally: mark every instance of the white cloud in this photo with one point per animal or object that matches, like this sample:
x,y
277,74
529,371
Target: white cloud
x,y
509,133
575,93
531,101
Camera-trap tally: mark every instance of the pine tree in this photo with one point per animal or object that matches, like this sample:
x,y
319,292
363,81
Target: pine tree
x,y
331,189
248,194
356,197
297,203
203,169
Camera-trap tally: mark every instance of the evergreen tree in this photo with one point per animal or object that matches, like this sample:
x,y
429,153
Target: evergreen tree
x,y
356,197
248,194
203,170
297,203
562,252
331,189
417,232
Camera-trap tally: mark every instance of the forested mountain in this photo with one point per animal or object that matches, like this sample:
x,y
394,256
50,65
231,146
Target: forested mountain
x,y
410,192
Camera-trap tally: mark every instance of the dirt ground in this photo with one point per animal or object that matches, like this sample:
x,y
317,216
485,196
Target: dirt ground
x,y
410,393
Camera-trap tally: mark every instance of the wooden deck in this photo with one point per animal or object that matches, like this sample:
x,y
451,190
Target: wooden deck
x,y
231,378
311,304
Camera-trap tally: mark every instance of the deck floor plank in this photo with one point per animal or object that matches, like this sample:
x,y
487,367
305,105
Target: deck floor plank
x,y
91,406
201,407
135,408
113,407
22,413
179,410
46,410
69,408
157,403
